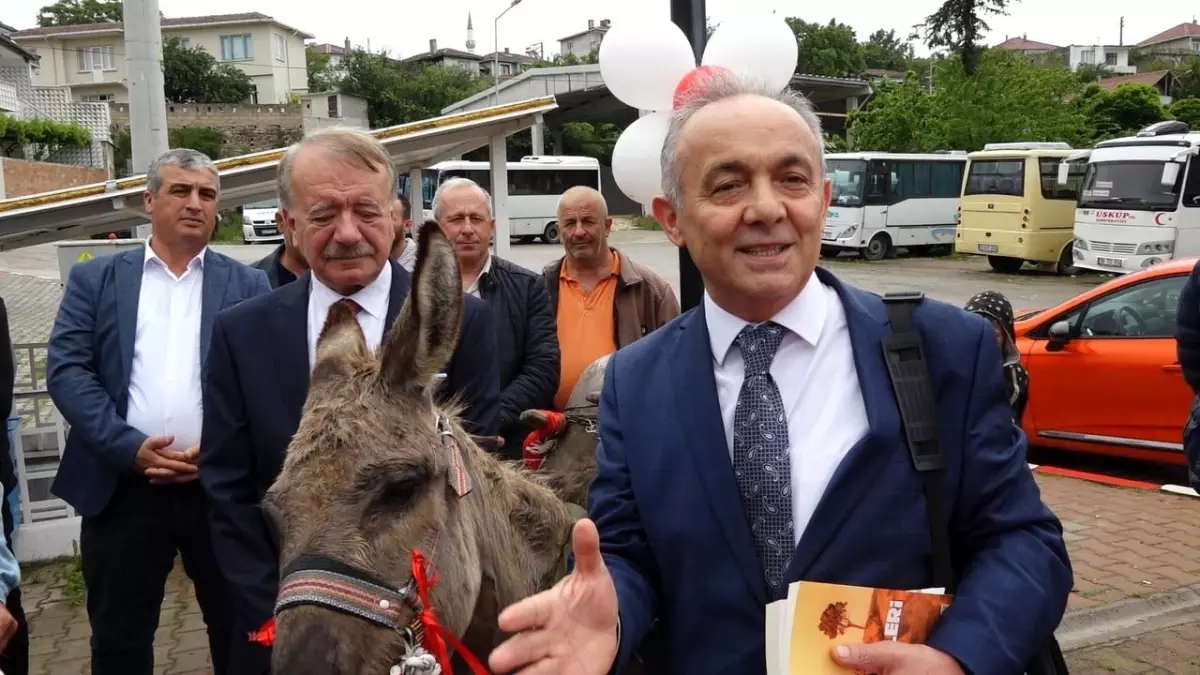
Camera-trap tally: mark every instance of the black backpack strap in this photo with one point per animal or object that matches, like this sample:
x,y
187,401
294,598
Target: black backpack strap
x,y
918,414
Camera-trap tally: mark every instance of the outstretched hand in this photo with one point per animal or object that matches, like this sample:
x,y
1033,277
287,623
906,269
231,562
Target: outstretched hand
x,y
570,629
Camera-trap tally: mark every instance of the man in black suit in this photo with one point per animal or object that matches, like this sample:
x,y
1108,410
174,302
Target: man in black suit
x,y
340,187
14,655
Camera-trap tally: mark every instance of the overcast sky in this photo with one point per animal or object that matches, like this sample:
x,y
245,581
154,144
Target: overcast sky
x,y
405,27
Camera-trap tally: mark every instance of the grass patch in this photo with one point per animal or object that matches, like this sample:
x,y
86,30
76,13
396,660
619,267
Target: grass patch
x,y
645,223
230,229
72,573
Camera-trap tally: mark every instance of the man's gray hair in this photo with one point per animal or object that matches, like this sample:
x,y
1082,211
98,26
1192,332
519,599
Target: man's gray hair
x,y
183,158
453,184
722,86
353,144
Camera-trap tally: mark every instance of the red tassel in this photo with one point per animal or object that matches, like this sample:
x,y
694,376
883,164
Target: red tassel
x,y
555,424
437,635
265,636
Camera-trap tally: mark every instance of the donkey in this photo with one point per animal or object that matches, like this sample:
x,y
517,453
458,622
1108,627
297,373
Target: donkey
x,y
568,453
377,470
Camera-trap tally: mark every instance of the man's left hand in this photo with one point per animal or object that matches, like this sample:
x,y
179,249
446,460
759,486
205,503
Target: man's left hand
x,y
896,658
164,477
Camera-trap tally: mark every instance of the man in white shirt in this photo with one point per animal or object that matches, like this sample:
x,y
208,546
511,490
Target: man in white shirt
x,y
756,441
125,364
340,186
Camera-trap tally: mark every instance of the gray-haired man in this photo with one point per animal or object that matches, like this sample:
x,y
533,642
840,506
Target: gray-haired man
x,y
124,369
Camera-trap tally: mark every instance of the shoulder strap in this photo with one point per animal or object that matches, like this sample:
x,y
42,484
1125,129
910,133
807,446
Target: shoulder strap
x,y
918,415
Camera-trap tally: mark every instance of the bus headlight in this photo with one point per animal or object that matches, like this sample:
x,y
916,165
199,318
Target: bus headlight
x,y
1156,247
1150,262
1079,244
848,232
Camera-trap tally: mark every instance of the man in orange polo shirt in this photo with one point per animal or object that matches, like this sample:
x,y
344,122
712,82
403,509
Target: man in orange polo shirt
x,y
603,299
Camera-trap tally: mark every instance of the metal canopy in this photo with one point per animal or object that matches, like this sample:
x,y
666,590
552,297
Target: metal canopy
x,y
117,205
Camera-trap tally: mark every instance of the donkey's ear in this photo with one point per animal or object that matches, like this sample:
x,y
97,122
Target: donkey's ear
x,y
340,345
426,331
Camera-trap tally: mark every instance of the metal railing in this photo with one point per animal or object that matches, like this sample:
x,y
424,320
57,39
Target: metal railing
x,y
38,440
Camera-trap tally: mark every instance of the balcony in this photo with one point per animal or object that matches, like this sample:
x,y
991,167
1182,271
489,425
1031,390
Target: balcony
x,y
9,103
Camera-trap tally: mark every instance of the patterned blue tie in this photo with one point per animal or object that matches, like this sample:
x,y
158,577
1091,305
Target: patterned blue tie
x,y
760,453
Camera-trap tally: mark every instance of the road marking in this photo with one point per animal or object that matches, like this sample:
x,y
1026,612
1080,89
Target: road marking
x,y
1180,490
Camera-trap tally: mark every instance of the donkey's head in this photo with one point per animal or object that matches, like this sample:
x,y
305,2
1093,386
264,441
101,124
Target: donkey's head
x,y
374,471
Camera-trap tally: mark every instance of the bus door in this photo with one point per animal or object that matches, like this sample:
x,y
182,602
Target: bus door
x,y
875,201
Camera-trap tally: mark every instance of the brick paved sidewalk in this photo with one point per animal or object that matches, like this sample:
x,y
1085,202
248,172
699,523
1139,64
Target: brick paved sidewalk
x,y
1124,544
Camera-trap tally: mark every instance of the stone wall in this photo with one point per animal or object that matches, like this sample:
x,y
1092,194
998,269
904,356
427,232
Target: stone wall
x,y
246,128
19,178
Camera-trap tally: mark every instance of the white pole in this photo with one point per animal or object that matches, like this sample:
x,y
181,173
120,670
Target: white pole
x,y
144,80
499,159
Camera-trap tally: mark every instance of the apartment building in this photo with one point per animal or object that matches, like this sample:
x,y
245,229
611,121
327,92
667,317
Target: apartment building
x,y
583,43
90,58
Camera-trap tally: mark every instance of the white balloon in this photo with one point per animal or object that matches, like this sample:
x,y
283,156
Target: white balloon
x,y
635,158
642,62
762,47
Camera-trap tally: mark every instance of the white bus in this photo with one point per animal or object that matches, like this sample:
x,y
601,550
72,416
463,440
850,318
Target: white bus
x,y
534,185
1140,200
883,201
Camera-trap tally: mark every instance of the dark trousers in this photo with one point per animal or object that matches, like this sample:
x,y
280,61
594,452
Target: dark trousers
x,y
15,659
128,551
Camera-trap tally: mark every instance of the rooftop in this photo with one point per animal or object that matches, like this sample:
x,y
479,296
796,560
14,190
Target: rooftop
x,y
1021,43
1152,78
1181,31
117,27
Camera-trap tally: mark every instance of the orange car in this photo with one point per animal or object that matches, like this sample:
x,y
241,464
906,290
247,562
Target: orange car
x,y
1103,373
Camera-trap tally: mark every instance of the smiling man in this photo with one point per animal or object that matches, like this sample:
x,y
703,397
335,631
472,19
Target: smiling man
x,y
340,186
755,441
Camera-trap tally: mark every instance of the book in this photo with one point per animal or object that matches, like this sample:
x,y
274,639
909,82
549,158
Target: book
x,y
803,628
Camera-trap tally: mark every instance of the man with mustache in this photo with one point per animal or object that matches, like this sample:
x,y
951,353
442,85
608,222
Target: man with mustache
x,y
603,299
525,337
125,364
340,186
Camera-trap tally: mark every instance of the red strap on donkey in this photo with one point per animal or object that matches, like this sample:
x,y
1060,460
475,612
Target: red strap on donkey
x,y
555,423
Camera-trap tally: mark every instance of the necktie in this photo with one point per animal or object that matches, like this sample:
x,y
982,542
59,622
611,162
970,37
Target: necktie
x,y
351,305
760,453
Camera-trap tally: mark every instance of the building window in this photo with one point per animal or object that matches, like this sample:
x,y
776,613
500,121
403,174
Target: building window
x,y
280,47
1088,57
185,43
252,99
332,101
96,58
97,98
1110,59
237,48
1196,44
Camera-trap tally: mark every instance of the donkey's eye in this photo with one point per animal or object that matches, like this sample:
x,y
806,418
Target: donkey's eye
x,y
397,491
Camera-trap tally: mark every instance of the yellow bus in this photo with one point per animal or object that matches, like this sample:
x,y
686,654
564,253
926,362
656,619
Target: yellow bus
x,y
1014,211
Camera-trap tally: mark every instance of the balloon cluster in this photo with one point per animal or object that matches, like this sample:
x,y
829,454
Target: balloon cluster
x,y
650,65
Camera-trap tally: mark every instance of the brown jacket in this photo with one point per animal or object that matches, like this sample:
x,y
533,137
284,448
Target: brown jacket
x,y
644,302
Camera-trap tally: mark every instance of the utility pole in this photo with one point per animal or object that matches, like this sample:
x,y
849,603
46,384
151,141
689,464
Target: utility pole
x,y
1121,35
692,19
144,79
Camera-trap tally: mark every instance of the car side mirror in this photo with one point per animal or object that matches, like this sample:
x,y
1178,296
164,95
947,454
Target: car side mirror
x,y
1060,335
1064,171
1170,174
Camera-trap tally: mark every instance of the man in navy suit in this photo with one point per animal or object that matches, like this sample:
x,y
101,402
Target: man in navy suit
x,y
126,356
755,441
339,185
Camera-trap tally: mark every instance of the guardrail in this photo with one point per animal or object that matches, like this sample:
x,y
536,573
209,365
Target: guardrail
x,y
38,440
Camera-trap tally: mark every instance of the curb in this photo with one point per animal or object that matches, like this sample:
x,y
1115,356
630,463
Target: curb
x,y
1115,481
1128,618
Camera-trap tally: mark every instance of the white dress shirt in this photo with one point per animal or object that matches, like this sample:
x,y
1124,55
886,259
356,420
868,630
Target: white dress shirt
x,y
473,289
164,379
372,298
814,369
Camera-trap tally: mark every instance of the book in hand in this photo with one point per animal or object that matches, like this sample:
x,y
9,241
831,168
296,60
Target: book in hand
x,y
803,629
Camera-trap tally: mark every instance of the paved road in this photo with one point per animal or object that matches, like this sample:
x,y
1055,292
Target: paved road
x,y
29,278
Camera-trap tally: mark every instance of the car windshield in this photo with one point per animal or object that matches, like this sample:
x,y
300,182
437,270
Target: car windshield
x,y
848,177
270,204
1133,186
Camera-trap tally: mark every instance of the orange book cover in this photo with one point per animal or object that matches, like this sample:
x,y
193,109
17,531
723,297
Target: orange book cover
x,y
827,615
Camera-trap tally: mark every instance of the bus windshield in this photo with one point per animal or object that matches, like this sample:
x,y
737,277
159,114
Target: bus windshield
x,y
1129,185
848,176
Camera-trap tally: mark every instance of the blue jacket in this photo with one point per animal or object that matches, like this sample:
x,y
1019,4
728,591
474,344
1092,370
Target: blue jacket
x,y
10,572
90,357
674,537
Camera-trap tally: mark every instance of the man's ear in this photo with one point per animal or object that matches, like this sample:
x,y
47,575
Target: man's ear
x,y
668,218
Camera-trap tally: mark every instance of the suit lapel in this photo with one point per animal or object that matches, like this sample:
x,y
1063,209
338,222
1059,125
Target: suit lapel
x,y
213,288
700,413
290,345
862,467
128,272
401,282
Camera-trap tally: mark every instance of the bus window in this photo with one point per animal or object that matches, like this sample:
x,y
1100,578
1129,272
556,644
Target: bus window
x,y
1048,167
926,180
1191,189
1004,177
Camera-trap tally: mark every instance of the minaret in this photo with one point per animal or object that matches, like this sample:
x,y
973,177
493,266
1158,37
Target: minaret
x,y
470,34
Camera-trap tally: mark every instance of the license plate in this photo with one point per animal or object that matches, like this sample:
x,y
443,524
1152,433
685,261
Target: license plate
x,y
988,248
1109,262
269,232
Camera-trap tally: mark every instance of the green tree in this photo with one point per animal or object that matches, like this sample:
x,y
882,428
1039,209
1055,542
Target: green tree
x,y
192,75
207,140
398,93
76,12
831,49
958,26
320,71
1187,110
1007,99
1188,73
884,50
1122,111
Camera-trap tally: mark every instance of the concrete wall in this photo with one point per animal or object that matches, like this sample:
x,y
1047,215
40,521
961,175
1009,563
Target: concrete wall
x,y
19,177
